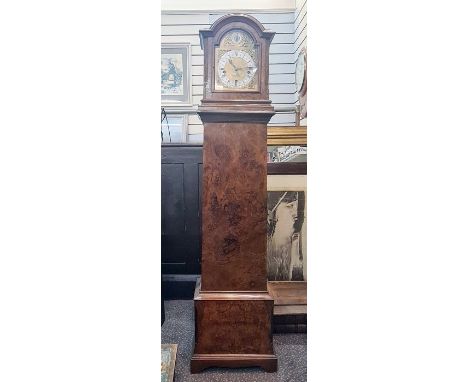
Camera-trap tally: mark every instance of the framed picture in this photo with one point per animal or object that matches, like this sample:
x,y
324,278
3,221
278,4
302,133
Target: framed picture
x,y
174,128
283,154
175,75
287,228
287,150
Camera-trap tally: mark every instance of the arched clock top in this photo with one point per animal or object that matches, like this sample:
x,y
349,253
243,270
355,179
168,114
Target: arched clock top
x,y
236,59
236,37
227,22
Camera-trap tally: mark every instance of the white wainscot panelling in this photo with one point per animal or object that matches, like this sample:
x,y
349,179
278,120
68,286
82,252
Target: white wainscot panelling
x,y
283,119
300,24
280,28
282,98
195,129
281,78
195,138
301,20
286,17
197,70
300,30
282,68
196,99
301,9
182,30
197,60
193,40
282,48
284,38
299,48
197,89
184,19
281,58
197,80
283,105
301,38
282,88
197,50
194,119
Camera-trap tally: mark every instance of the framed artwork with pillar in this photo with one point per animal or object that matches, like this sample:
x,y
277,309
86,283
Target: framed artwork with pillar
x,y
233,310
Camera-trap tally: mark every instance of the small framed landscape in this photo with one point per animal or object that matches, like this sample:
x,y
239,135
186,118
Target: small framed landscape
x,y
175,75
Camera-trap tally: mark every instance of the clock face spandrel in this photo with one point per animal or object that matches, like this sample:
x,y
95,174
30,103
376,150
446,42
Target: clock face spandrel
x,y
236,63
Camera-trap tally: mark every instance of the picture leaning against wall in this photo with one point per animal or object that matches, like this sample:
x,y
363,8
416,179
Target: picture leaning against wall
x,y
286,239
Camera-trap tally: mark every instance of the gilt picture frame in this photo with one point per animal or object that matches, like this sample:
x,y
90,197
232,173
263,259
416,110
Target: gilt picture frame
x,y
287,135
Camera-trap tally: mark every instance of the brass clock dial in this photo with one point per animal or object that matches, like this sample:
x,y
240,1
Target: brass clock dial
x,y
236,69
236,63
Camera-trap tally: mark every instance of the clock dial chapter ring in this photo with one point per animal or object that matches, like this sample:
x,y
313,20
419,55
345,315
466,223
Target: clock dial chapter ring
x,y
236,69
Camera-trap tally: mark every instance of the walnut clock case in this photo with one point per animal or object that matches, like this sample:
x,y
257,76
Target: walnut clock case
x,y
233,310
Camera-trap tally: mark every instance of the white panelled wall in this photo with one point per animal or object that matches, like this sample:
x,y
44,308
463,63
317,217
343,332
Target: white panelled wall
x,y
289,25
300,33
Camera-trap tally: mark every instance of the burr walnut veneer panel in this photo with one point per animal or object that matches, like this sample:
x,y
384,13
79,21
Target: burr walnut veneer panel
x,y
234,207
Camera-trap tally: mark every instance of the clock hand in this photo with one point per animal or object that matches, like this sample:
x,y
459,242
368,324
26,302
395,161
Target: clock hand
x,y
234,66
249,67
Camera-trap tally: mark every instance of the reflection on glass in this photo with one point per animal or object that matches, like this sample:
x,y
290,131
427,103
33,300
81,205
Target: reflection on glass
x,y
173,129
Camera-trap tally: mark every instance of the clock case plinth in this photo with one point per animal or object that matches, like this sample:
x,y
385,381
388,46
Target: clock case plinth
x,y
233,310
233,329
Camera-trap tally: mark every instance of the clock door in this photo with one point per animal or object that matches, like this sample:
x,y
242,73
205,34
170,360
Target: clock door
x,y
236,63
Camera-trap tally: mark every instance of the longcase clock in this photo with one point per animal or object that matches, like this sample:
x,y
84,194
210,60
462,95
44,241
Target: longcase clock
x,y
233,311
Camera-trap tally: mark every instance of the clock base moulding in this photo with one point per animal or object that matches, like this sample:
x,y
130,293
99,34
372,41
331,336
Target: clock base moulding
x,y
218,315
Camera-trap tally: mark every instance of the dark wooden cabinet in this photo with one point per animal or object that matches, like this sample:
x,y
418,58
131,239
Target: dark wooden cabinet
x,y
181,172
